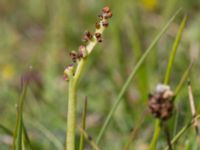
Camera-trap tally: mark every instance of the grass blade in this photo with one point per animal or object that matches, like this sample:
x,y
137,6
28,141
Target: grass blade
x,y
27,139
177,90
174,49
84,113
128,81
89,139
182,131
183,79
6,130
50,136
167,77
192,107
23,142
17,140
135,132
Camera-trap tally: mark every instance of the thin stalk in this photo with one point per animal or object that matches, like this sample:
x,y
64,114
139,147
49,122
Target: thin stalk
x,y
27,139
84,113
135,131
182,131
167,133
71,116
128,81
72,92
18,133
174,49
23,142
183,79
6,130
192,106
175,122
48,134
155,135
177,90
89,139
74,79
167,77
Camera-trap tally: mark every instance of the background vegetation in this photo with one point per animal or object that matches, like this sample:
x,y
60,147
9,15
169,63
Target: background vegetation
x,y
36,37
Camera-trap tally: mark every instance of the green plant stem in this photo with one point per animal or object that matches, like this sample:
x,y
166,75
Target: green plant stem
x,y
128,81
155,135
71,117
89,139
167,77
174,49
84,114
27,139
177,90
73,84
135,131
182,131
17,139
6,130
44,131
183,78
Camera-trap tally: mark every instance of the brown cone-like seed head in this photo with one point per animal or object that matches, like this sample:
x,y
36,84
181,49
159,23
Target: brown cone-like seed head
x,y
98,37
106,9
161,103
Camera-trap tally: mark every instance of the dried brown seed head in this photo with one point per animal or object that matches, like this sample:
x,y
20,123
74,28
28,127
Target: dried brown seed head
x,y
160,103
73,55
97,25
105,23
97,35
109,14
106,9
87,36
168,94
99,40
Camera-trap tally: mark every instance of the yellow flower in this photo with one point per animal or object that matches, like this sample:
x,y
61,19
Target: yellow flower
x,y
149,4
7,72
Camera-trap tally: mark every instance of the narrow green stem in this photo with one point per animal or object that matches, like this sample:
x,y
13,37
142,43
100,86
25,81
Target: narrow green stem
x,y
71,117
128,81
178,87
155,135
167,76
89,139
73,84
84,113
174,49
182,131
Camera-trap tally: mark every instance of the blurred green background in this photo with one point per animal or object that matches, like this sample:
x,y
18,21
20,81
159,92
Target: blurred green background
x,y
36,37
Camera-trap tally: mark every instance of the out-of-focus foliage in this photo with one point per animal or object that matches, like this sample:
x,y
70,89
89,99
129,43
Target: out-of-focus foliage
x,y
36,37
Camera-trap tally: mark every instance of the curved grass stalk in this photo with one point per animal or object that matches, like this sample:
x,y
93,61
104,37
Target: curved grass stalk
x,y
128,81
18,133
49,135
89,139
74,77
182,131
167,77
